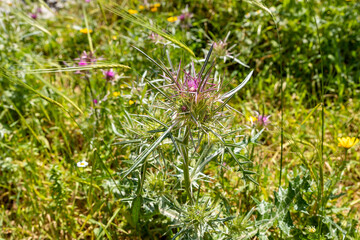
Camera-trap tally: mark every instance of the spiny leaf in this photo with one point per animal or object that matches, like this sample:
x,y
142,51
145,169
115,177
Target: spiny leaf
x,y
232,92
157,64
146,153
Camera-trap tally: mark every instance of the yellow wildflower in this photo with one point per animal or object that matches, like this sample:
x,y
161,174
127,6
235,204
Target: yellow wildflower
x,y
132,11
153,9
131,102
172,19
157,5
114,37
141,7
85,30
311,229
116,94
347,142
252,119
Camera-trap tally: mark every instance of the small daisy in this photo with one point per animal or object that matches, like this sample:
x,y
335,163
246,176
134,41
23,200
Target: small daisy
x,y
82,164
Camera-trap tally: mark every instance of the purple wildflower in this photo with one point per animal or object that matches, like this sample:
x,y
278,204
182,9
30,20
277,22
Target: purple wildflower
x,y
82,62
33,16
192,84
87,1
156,38
95,101
185,16
109,75
182,17
86,59
263,119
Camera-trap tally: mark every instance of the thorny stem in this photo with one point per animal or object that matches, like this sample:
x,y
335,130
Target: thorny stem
x,y
184,151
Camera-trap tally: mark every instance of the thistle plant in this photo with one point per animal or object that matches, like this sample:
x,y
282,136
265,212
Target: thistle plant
x,y
224,52
187,126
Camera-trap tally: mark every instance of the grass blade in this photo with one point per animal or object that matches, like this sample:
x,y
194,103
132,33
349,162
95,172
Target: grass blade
x,y
8,76
31,21
118,10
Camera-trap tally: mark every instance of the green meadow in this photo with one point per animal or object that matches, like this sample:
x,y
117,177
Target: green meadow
x,y
232,119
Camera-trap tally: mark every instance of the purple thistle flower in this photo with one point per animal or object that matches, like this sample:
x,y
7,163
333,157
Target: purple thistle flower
x,y
263,120
156,38
82,62
95,101
86,59
185,16
109,75
192,85
184,108
33,16
182,17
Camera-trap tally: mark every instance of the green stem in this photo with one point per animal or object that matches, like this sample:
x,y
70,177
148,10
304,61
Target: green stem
x,y
88,32
336,180
92,99
185,156
142,180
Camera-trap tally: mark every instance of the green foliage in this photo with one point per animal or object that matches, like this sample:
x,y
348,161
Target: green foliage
x,y
163,164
